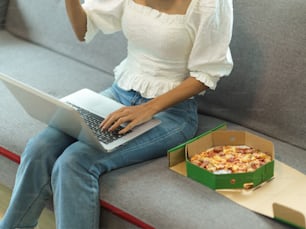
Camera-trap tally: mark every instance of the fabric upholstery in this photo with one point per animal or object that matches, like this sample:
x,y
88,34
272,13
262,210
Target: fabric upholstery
x,y
266,89
32,20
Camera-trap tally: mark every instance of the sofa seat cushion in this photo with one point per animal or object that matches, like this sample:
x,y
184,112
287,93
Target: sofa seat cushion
x,y
151,192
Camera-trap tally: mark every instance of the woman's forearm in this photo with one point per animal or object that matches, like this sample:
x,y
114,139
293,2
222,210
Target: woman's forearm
x,y
185,90
77,17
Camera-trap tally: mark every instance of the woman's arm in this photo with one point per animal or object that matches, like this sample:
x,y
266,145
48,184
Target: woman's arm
x,y
135,115
78,18
185,90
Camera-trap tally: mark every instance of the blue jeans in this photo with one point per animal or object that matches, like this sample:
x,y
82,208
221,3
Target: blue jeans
x,y
56,165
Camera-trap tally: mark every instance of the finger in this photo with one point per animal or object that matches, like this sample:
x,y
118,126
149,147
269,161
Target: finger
x,y
118,123
102,124
127,128
133,123
111,118
108,122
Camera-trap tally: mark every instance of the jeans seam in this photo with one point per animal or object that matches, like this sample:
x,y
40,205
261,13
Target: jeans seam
x,y
95,220
31,205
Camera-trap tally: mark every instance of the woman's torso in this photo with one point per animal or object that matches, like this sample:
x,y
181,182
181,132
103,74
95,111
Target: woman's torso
x,y
159,45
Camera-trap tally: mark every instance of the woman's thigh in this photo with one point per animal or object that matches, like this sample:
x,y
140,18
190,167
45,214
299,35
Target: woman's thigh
x,y
48,144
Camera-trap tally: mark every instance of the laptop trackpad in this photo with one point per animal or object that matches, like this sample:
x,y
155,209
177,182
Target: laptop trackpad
x,y
92,101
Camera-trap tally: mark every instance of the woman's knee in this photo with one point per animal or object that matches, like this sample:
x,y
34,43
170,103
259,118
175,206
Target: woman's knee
x,y
49,143
76,161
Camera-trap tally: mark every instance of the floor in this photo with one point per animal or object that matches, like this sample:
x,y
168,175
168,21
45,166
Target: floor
x,y
46,220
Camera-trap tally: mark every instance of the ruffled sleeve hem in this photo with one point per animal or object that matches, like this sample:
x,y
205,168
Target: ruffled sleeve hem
x,y
210,26
91,30
209,81
103,15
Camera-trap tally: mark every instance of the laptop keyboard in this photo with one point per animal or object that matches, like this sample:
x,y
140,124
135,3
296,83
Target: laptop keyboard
x,y
94,121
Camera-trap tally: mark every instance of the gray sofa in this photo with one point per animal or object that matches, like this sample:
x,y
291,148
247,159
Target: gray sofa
x,y
265,94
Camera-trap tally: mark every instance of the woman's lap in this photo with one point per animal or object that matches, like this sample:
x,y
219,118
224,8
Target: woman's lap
x,y
57,146
55,162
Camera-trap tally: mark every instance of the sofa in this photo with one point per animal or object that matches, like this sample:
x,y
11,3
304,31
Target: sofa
x,y
265,94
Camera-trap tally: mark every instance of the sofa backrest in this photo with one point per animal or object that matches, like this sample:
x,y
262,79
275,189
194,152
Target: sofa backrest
x,y
45,22
267,88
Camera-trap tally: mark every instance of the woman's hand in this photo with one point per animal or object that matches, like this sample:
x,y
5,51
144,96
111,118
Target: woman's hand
x,y
130,115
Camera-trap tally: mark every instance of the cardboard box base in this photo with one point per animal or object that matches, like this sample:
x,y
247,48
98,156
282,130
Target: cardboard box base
x,y
281,198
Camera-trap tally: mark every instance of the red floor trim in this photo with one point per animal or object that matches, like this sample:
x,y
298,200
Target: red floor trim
x,y
124,215
116,211
11,156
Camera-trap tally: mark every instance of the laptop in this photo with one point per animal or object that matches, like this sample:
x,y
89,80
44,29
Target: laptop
x,y
78,114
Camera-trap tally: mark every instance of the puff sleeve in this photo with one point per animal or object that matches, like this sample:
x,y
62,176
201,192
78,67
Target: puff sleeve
x,y
104,15
210,27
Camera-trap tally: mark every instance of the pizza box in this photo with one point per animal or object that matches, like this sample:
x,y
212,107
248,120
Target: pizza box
x,y
217,137
280,197
232,180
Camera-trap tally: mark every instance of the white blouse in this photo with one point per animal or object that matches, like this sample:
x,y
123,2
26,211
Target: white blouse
x,y
164,49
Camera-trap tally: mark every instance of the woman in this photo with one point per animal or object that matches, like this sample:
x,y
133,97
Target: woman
x,y
176,49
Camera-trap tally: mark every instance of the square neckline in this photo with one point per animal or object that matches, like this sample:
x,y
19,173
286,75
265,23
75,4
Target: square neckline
x,y
165,13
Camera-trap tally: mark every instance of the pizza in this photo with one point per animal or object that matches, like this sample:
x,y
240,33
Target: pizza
x,y
231,159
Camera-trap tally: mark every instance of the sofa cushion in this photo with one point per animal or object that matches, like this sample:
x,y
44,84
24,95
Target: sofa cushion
x,y
46,23
3,8
266,89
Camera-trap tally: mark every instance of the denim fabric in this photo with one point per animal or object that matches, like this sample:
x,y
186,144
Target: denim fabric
x,y
56,165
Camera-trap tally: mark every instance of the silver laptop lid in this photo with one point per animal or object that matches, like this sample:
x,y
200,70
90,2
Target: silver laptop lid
x,y
62,116
50,111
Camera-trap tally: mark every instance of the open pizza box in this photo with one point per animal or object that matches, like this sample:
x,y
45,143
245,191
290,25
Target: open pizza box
x,y
281,197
